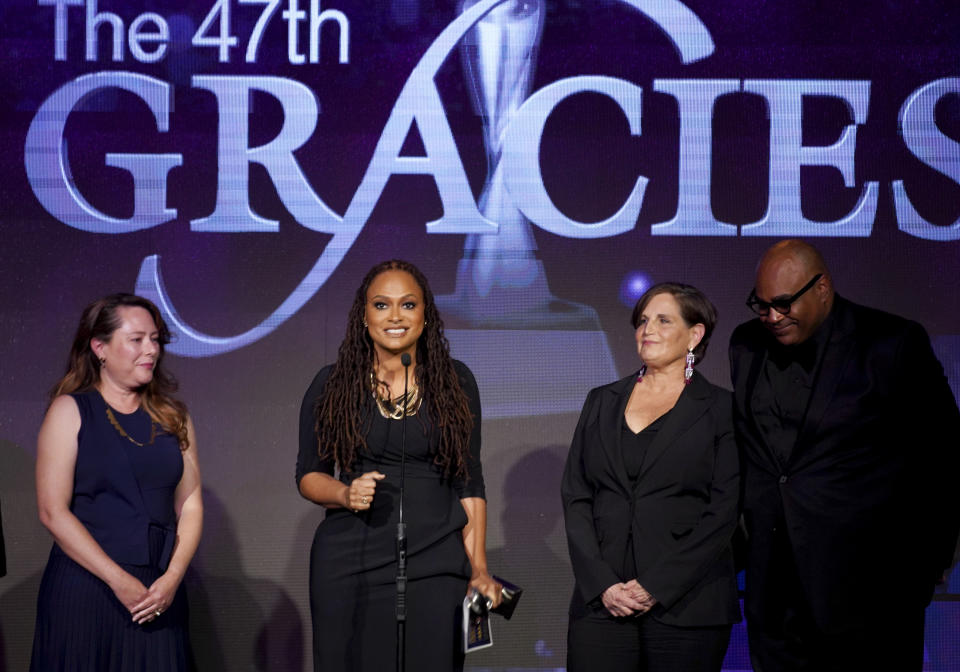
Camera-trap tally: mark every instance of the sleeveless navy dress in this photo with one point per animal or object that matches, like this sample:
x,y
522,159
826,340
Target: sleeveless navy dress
x,y
123,494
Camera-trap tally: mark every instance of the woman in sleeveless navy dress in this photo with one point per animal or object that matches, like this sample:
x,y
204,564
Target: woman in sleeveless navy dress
x,y
118,487
352,419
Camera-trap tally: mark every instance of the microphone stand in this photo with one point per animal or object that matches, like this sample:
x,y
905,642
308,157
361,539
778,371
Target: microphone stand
x,y
402,532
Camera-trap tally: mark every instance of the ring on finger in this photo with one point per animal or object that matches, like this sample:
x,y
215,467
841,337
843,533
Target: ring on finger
x,y
364,499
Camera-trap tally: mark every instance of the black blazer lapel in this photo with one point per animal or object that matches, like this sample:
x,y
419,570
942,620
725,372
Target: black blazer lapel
x,y
613,404
744,400
757,361
692,403
835,359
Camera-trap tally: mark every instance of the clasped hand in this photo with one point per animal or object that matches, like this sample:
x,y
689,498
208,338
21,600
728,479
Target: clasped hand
x,y
627,599
146,604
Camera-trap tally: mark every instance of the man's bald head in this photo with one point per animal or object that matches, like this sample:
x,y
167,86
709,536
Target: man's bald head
x,y
795,252
785,269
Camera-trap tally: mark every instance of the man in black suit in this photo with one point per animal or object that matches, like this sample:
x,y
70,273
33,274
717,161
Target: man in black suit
x,y
848,437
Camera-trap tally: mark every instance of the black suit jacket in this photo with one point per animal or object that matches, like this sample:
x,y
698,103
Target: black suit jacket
x,y
681,513
865,497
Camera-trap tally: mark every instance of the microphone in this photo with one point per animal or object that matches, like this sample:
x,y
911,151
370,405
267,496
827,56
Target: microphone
x,y
401,610
405,360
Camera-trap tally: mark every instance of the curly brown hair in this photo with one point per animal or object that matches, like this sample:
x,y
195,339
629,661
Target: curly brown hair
x,y
99,320
343,411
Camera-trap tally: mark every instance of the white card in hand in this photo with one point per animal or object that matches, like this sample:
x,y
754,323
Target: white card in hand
x,y
476,628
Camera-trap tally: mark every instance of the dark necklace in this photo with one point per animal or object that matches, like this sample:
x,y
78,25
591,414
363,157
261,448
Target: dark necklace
x,y
116,425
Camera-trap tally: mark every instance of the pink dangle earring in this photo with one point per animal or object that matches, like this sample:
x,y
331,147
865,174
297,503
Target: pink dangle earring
x,y
641,373
688,372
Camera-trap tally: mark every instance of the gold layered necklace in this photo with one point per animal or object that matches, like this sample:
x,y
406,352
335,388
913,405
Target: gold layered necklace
x,y
392,409
122,432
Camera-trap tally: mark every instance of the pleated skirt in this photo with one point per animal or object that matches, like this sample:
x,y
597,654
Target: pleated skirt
x,y
82,627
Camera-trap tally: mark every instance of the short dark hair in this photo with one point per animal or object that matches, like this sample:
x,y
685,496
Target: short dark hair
x,y
695,308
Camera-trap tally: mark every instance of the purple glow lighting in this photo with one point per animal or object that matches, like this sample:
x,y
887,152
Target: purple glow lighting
x,y
633,286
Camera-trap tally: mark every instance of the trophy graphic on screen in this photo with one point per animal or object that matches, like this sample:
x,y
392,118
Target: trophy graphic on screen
x,y
502,299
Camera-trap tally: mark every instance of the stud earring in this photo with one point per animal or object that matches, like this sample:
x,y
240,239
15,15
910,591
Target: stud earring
x,y
688,372
103,361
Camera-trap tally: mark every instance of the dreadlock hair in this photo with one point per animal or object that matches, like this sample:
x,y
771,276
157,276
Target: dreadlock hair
x,y
99,320
343,411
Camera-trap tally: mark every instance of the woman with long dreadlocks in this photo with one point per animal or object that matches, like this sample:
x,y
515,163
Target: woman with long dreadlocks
x,y
349,461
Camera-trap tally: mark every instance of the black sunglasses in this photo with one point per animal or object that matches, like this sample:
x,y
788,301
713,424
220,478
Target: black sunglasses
x,y
782,306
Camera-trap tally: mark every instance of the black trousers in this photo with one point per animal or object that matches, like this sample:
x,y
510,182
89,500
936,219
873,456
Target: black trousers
x,y
896,644
600,643
355,627
790,641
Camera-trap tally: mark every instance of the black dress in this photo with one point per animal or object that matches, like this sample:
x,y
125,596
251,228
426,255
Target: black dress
x,y
123,494
353,558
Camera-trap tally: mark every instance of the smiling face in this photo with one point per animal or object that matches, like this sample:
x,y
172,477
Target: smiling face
x,y
663,337
781,276
132,351
394,313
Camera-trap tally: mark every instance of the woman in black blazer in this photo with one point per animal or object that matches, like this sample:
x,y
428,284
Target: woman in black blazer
x,y
650,494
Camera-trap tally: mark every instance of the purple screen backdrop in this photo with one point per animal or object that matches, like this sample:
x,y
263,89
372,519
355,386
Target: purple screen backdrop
x,y
244,162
